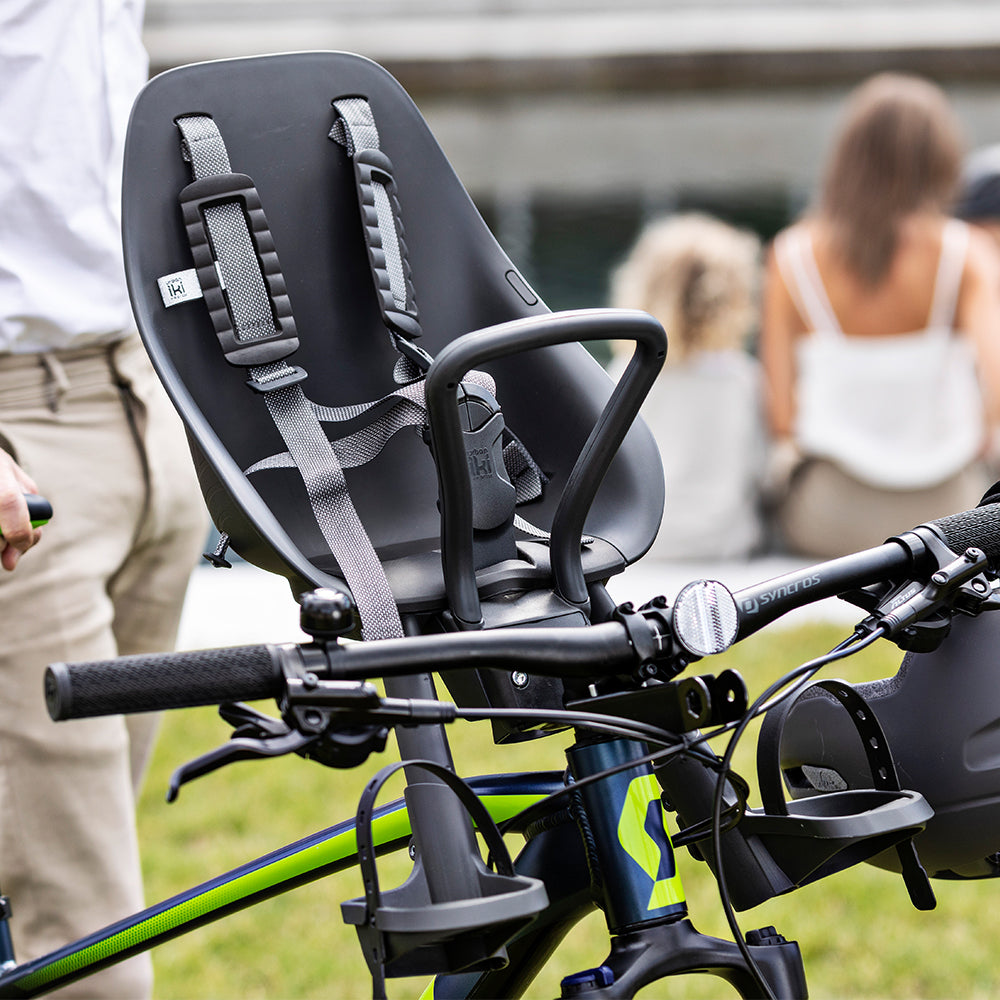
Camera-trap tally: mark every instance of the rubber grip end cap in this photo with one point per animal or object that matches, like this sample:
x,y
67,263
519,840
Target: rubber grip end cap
x,y
58,695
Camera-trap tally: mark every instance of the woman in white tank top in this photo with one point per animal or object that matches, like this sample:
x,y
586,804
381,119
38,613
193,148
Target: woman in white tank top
x,y
881,332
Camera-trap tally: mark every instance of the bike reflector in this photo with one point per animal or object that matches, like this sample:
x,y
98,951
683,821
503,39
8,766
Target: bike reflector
x,y
705,618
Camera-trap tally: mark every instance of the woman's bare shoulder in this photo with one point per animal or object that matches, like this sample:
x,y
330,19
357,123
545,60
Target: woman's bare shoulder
x,y
979,292
983,253
922,235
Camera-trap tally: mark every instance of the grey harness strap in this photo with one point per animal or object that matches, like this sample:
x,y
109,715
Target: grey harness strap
x,y
400,409
382,223
356,131
238,267
245,292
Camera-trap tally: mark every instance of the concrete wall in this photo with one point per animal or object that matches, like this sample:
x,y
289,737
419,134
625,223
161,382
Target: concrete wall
x,y
635,106
582,96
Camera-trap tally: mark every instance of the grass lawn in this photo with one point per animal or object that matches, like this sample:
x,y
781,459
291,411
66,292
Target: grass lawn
x,y
859,935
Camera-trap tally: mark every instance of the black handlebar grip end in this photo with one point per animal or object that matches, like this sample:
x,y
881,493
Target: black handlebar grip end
x,y
58,691
977,528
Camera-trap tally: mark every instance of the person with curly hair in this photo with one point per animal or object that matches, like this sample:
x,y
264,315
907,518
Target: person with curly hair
x,y
699,277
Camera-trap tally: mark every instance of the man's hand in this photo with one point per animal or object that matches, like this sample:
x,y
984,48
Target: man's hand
x,y
18,534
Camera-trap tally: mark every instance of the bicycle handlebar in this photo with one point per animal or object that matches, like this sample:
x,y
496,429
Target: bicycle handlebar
x,y
152,682
762,603
156,681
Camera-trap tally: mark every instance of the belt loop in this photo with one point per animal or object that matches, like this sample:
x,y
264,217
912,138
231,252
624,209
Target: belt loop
x,y
120,380
57,381
134,405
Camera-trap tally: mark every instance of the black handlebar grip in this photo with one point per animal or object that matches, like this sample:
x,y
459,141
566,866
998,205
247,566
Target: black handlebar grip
x,y
977,528
155,681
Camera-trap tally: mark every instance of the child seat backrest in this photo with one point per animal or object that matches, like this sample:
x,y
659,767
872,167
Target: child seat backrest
x,y
274,114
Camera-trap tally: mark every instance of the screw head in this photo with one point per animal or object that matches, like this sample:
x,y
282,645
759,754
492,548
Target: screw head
x,y
519,679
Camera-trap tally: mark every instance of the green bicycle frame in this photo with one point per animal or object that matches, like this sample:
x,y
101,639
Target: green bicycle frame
x,y
324,853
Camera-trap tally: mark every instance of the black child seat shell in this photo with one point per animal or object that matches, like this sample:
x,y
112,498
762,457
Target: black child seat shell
x,y
274,114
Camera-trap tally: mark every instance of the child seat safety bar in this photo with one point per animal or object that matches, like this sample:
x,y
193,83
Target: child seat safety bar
x,y
259,339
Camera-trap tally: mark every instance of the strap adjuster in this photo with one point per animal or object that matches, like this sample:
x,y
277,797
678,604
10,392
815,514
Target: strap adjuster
x,y
216,190
413,352
293,375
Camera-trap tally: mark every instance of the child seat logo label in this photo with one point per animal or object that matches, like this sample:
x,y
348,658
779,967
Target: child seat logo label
x,y
181,286
480,463
643,835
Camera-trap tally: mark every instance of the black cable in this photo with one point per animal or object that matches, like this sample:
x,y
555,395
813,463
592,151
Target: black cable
x,y
582,720
732,815
764,703
542,805
684,744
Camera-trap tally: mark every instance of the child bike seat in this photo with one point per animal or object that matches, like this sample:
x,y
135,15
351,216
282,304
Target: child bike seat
x,y
373,259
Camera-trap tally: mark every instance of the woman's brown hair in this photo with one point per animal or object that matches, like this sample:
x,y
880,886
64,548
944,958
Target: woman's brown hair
x,y
899,151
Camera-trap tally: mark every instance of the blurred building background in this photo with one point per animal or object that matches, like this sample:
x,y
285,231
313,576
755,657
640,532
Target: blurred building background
x,y
572,122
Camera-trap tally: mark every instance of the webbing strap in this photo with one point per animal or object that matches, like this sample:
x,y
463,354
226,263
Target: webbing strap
x,y
239,271
355,129
522,470
293,414
405,407
381,218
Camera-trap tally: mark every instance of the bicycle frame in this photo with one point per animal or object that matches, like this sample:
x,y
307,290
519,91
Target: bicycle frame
x,y
324,853
645,905
602,841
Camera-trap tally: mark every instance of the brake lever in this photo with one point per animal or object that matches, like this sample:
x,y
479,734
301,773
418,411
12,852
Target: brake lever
x,y
917,615
238,748
333,742
248,722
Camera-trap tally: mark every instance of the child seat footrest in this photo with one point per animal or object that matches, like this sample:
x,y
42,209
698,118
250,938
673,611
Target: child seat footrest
x,y
418,937
855,824
828,833
414,929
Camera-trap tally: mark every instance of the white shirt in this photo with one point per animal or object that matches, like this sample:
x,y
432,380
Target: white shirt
x,y
900,412
706,416
69,71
